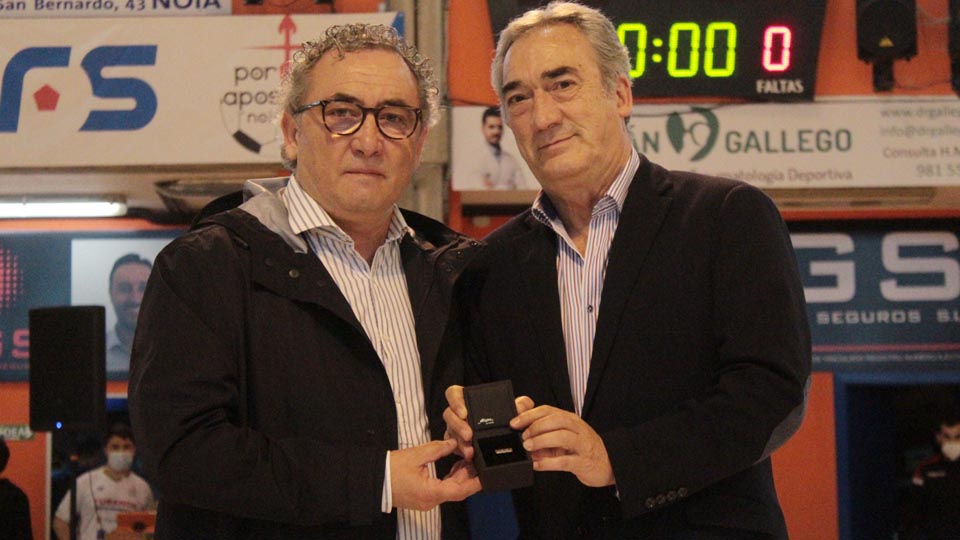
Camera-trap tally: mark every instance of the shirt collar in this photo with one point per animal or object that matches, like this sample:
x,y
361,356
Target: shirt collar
x,y
616,194
306,215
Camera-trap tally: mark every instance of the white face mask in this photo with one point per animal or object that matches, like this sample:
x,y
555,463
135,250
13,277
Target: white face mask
x,y
120,461
951,449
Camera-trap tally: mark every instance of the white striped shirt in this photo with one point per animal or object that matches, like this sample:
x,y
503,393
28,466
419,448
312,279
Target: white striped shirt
x,y
378,295
580,278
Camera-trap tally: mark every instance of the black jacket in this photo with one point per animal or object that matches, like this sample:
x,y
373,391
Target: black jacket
x,y
260,407
699,365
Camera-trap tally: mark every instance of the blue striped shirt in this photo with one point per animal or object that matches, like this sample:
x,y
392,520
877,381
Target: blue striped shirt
x,y
580,278
378,295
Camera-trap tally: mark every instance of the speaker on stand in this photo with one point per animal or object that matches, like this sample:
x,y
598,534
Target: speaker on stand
x,y
68,386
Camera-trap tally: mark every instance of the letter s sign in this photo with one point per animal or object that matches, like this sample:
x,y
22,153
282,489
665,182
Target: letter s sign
x,y
93,63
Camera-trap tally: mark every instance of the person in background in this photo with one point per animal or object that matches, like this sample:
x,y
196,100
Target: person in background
x,y
654,318
87,455
14,504
936,484
291,357
497,168
128,279
106,491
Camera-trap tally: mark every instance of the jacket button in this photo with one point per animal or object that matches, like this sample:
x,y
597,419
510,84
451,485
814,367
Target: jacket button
x,y
650,502
294,273
268,261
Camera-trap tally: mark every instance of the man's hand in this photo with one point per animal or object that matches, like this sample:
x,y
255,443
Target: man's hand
x,y
456,418
410,479
560,440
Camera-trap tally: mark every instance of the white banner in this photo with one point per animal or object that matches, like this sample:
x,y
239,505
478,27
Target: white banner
x,y
30,9
149,91
862,141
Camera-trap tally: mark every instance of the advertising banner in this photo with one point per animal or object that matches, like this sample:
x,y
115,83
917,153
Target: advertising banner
x,y
849,142
854,142
881,294
484,153
35,9
34,271
149,91
83,268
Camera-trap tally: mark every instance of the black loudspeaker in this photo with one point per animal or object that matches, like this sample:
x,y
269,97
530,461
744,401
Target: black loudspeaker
x,y
886,29
67,368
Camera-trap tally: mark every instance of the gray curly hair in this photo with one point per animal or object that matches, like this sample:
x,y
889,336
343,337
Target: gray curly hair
x,y
355,37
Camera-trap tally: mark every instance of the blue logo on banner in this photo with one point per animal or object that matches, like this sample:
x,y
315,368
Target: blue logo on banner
x,y
95,61
882,297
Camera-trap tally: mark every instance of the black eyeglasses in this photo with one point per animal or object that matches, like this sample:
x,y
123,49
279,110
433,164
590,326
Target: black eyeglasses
x,y
345,118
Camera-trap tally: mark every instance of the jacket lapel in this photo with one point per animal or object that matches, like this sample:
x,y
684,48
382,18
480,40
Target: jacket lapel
x,y
431,273
537,253
644,210
418,266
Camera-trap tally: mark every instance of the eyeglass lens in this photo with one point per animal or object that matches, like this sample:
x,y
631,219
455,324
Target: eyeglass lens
x,y
343,117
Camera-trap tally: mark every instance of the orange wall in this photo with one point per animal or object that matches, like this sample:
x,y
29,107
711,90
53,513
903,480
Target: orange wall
x,y
305,6
805,469
839,72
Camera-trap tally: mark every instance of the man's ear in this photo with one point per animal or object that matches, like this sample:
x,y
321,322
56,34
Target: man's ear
x,y
624,95
419,146
290,129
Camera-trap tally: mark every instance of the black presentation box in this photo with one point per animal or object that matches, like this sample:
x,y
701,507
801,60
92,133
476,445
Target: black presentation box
x,y
498,453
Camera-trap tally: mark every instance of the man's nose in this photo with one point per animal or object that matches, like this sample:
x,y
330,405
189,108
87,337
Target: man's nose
x,y
546,113
368,139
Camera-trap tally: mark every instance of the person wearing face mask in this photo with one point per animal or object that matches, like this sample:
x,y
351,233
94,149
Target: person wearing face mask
x,y
937,485
106,491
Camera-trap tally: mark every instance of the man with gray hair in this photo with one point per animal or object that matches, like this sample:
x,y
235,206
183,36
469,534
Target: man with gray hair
x,y
652,321
288,370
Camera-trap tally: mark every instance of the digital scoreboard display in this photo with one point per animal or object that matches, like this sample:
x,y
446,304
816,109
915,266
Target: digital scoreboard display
x,y
762,50
755,49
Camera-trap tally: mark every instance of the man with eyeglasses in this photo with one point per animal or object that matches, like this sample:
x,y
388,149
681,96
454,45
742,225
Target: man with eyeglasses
x,y
289,365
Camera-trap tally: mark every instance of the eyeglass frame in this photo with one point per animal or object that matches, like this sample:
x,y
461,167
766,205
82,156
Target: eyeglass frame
x,y
322,103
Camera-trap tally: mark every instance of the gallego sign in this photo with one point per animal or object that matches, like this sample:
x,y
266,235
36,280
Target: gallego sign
x,y
850,142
